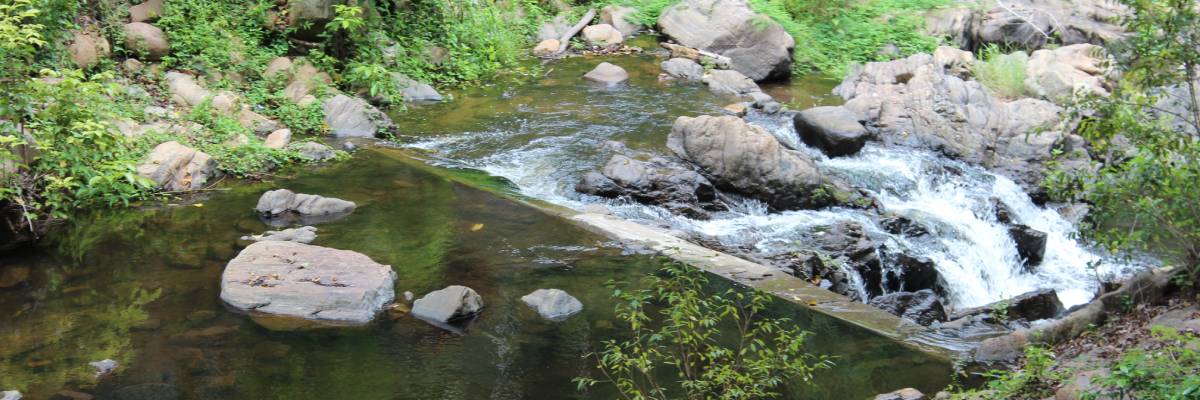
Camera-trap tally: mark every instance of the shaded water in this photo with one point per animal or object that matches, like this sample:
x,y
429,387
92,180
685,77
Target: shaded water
x,y
544,136
141,287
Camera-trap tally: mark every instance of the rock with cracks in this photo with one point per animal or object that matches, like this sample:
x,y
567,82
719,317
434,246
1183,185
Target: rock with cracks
x,y
280,207
447,305
922,307
287,286
757,45
173,166
553,304
354,117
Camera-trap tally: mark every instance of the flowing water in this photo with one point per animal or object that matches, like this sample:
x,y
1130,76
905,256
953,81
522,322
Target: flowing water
x,y
141,287
543,137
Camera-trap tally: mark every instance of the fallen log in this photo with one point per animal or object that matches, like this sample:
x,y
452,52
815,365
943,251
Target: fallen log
x,y
565,40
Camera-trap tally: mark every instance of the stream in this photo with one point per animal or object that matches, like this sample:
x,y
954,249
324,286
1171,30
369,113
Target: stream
x,y
141,286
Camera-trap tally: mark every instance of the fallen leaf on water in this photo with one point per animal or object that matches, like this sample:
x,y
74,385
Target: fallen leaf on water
x,y
476,227
198,205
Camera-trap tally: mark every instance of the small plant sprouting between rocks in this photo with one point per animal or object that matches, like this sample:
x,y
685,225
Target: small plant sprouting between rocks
x,y
717,346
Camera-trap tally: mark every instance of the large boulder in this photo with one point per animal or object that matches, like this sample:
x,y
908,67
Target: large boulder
x,y
602,35
414,91
921,102
848,243
1066,71
747,159
1027,23
146,41
608,74
652,182
619,17
173,166
282,203
1032,306
834,130
757,45
353,117
88,48
553,304
911,273
922,307
290,285
730,82
448,305
683,68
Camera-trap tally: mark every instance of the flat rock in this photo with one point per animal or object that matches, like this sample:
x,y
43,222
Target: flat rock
x,y
173,166
447,305
553,304
307,283
607,73
304,234
278,139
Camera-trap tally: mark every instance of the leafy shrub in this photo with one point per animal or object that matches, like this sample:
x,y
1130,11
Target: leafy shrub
x,y
1167,373
219,35
719,346
1003,73
1037,379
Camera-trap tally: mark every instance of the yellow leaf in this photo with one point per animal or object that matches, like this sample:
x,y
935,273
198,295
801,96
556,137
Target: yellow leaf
x,y
198,205
476,227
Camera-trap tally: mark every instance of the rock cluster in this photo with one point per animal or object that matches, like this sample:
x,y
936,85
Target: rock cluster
x,y
757,45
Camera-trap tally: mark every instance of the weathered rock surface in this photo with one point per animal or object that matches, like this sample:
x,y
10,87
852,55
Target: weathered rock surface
x,y
848,243
149,10
308,283
145,40
747,159
555,28
1031,244
256,122
1066,71
1032,306
834,130
278,139
88,48
314,151
731,82
553,304
354,117
448,305
1025,23
415,91
956,25
608,74
911,274
602,35
921,307
186,92
304,234
919,102
546,48
282,202
757,45
173,166
652,182
618,17
683,68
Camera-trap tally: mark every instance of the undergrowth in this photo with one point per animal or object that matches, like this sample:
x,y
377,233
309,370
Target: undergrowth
x,y
1003,73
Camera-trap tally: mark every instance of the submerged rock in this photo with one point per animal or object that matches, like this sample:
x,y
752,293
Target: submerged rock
x,y
314,151
922,307
173,166
757,45
147,391
283,203
447,305
13,275
304,234
834,130
747,159
607,74
312,285
553,304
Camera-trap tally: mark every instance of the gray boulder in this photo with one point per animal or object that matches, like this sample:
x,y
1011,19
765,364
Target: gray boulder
x,y
282,205
314,151
730,82
922,307
834,130
608,74
683,68
747,159
757,45
553,304
651,182
1032,306
414,91
618,17
1025,23
447,305
304,234
1031,244
354,117
173,166
293,285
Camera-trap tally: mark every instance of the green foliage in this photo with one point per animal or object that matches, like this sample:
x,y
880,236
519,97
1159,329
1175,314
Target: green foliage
x,y
80,160
219,36
1167,373
675,326
237,150
1003,73
1145,188
374,80
1037,379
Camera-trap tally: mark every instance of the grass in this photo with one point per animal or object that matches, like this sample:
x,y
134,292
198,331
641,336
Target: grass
x,y
1003,74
